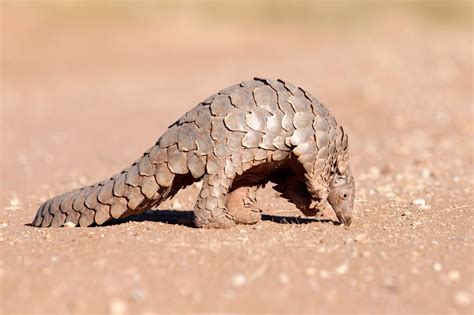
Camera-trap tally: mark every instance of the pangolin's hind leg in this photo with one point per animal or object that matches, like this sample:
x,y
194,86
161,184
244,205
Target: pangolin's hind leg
x,y
210,209
241,204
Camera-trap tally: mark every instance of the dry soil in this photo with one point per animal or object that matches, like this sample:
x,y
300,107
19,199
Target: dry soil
x,y
83,96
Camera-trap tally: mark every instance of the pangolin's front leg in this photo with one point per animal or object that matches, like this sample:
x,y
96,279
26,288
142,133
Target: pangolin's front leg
x,y
210,209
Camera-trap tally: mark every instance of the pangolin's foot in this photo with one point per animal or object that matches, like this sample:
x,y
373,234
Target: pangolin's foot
x,y
241,204
223,221
209,210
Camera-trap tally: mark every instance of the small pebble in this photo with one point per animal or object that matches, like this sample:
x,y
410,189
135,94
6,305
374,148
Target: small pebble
x,y
310,271
238,280
420,203
322,250
462,298
454,275
324,274
69,224
427,173
283,277
390,194
360,238
118,307
437,267
2,225
176,204
342,269
137,295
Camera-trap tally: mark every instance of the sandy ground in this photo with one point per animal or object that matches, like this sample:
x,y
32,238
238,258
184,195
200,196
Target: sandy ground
x,y
83,97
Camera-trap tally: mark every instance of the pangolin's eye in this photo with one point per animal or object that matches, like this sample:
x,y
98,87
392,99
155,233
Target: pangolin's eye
x,y
344,196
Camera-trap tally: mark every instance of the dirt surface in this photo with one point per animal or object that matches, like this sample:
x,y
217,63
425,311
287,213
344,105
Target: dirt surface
x,y
84,95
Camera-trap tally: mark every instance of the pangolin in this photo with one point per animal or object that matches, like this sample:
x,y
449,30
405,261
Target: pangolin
x,y
235,141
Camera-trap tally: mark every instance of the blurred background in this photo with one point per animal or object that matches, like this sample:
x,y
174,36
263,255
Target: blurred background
x,y
70,63
87,86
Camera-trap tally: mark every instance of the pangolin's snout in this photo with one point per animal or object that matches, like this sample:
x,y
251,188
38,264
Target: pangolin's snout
x,y
344,219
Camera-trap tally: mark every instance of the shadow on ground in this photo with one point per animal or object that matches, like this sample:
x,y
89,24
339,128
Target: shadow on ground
x,y
185,217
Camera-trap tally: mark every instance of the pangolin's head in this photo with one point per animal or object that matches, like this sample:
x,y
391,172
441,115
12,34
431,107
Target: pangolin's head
x,y
341,196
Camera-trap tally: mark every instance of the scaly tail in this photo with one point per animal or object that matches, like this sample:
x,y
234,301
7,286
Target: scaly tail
x,y
144,184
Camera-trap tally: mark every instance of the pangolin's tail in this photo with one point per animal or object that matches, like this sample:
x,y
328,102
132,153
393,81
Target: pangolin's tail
x,y
144,184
